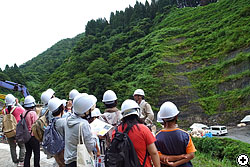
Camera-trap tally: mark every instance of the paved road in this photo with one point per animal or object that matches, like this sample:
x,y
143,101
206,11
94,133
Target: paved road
x,y
5,158
242,133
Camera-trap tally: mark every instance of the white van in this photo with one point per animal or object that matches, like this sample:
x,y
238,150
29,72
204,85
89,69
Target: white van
x,y
218,130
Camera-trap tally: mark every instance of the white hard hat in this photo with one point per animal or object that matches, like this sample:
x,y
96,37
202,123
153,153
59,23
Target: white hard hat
x,y
109,96
46,96
54,104
64,101
10,100
82,104
168,110
158,118
139,92
51,91
84,94
73,93
129,107
95,113
29,101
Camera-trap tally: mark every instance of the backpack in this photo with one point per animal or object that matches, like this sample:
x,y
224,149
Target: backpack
x,y
121,152
22,132
9,124
53,142
39,126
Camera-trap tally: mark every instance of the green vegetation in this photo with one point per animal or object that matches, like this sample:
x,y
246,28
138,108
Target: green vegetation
x,y
197,57
224,149
206,160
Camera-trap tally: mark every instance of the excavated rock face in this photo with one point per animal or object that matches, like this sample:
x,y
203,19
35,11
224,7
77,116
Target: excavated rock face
x,y
201,96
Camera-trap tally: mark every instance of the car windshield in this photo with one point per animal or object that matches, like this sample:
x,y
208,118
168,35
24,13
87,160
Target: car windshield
x,y
223,128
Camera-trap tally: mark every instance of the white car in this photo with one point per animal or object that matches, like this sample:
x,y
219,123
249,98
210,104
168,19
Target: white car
x,y
218,130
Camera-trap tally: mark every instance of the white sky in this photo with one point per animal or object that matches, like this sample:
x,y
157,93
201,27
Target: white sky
x,y
29,27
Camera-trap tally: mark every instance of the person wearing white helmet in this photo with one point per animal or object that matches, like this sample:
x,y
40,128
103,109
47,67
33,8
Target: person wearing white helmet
x,y
82,107
72,94
16,111
95,114
147,113
45,97
175,145
111,114
33,144
141,137
56,107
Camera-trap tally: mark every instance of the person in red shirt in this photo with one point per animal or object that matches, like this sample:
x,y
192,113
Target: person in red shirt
x,y
12,104
140,135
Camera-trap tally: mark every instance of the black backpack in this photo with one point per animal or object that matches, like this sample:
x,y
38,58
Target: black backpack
x,y
121,152
22,132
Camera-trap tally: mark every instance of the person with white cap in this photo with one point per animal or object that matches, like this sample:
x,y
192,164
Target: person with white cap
x,y
175,146
95,114
141,137
147,113
33,144
72,94
82,107
45,97
111,114
16,111
56,107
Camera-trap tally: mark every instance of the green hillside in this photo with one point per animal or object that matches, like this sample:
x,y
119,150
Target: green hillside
x,y
197,57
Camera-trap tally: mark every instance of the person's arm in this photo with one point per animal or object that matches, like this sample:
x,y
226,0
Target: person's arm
x,y
172,158
149,114
98,153
182,161
154,155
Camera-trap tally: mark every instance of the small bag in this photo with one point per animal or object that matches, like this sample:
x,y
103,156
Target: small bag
x,y
84,158
22,132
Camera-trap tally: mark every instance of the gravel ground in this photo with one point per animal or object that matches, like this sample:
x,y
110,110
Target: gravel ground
x,y
6,160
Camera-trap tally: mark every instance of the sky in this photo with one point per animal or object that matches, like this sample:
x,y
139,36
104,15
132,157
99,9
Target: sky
x,y
29,27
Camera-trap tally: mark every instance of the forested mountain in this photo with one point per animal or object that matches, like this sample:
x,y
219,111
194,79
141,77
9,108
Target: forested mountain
x,y
197,57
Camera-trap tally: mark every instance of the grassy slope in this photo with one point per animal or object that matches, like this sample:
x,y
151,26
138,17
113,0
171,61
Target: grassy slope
x,y
206,54
195,57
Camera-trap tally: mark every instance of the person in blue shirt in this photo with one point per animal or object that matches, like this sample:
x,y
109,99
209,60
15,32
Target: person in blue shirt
x,y
175,146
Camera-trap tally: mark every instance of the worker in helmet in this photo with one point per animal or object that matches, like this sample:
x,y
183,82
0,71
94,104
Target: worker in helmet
x,y
72,94
141,137
82,107
111,114
175,146
45,97
56,107
33,144
147,113
12,107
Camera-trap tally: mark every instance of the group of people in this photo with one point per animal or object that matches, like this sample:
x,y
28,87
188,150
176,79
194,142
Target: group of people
x,y
171,146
